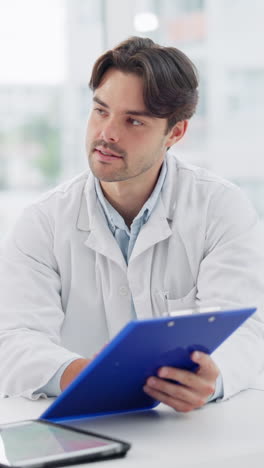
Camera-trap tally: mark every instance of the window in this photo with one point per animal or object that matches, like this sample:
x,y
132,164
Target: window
x,y
48,47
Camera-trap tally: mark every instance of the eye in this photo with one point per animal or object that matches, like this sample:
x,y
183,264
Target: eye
x,y
135,122
99,111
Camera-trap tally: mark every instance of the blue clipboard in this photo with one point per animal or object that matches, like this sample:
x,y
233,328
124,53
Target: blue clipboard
x,y
112,383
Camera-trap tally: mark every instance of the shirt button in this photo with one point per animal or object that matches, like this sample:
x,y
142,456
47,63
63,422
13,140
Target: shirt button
x,y
123,291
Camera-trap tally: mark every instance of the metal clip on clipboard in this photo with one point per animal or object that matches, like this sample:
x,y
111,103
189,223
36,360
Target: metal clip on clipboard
x,y
192,311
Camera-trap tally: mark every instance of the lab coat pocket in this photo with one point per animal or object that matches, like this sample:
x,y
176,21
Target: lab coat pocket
x,y
181,305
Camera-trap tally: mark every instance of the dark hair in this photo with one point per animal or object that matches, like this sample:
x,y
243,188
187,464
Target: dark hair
x,y
170,79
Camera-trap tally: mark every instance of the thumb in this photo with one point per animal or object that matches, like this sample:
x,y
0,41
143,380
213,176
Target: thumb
x,y
207,367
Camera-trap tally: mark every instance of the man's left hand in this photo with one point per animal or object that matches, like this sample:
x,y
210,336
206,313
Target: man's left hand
x,y
195,389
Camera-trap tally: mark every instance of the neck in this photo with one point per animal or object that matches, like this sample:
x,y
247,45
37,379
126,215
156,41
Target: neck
x,y
128,196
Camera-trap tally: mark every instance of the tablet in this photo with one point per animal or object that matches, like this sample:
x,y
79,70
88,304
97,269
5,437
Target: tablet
x,y
113,381
44,444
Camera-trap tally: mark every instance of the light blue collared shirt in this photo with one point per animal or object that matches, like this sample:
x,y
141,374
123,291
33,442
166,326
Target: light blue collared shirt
x,y
125,237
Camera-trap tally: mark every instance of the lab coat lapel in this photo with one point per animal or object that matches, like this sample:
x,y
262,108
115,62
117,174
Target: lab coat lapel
x,y
156,229
91,219
102,241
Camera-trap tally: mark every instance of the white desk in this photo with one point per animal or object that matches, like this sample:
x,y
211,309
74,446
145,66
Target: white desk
x,y
226,434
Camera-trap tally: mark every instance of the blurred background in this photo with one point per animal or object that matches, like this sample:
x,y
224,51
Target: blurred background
x,y
48,47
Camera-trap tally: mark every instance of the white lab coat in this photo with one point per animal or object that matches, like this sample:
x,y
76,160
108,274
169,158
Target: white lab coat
x,y
65,288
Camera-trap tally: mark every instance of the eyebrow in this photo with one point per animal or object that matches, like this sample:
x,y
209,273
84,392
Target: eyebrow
x,y
127,112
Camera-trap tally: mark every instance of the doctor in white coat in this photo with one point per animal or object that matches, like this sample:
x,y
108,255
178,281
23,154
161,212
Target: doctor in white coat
x,y
140,233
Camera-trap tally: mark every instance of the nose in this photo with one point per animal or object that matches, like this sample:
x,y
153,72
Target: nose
x,y
110,131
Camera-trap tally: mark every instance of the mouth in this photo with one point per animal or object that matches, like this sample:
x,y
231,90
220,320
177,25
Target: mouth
x,y
105,154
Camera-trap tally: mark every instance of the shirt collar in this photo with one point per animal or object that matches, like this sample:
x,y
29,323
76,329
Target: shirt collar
x,y
114,219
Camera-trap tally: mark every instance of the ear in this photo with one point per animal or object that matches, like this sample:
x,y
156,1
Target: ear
x,y
177,132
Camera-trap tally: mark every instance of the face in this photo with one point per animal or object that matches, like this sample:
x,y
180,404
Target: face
x,y
123,140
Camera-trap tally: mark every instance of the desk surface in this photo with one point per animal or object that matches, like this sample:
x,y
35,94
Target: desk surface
x,y
226,434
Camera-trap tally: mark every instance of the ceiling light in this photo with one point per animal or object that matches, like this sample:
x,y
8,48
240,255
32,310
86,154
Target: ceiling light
x,y
144,22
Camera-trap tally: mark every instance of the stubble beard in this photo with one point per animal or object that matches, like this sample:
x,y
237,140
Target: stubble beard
x,y
100,170
118,175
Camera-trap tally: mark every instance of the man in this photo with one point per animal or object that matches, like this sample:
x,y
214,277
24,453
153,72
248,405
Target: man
x,y
139,234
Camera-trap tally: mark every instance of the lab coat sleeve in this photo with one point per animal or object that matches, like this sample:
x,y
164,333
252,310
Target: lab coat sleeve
x,y
31,313
231,274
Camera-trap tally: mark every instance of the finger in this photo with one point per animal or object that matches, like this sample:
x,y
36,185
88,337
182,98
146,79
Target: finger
x,y
207,367
176,404
196,383
177,392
